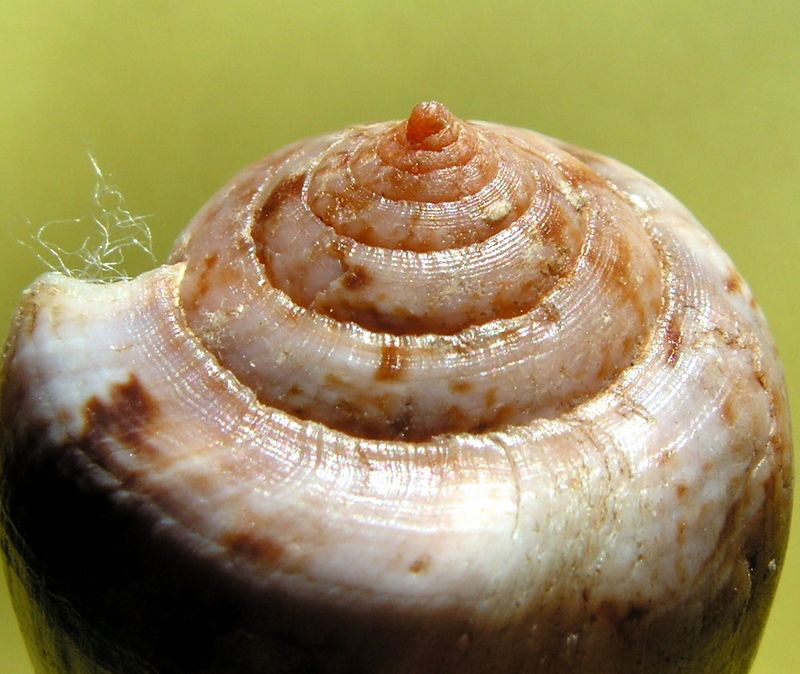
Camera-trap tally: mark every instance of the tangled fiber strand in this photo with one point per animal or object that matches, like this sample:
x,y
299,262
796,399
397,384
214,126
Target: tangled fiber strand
x,y
100,257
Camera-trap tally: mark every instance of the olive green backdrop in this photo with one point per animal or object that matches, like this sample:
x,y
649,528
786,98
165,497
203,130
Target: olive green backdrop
x,y
173,97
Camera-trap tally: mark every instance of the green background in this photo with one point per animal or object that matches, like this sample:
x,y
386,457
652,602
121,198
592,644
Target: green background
x,y
173,97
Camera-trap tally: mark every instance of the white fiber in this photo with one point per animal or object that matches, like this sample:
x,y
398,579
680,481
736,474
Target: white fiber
x,y
114,232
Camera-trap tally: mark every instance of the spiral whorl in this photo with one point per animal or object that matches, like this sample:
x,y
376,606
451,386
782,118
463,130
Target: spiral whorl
x,y
437,259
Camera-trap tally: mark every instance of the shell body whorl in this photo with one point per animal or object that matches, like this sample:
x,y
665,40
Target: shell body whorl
x,y
428,396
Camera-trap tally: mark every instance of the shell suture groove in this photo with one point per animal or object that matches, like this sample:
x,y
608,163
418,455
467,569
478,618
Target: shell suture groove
x,y
445,396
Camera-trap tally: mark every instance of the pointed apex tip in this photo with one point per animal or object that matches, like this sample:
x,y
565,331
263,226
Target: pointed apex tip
x,y
427,119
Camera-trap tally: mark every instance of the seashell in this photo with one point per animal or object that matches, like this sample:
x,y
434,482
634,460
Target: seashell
x,y
424,396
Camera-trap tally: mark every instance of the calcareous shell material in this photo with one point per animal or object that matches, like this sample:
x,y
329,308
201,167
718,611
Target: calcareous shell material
x,y
425,397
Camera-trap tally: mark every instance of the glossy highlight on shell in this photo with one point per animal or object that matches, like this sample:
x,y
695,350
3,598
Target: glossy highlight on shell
x,y
422,396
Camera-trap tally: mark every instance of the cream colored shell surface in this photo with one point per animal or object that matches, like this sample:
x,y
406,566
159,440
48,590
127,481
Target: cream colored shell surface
x,y
522,417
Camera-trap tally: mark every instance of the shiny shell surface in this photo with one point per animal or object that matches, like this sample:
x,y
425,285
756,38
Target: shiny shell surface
x,y
423,396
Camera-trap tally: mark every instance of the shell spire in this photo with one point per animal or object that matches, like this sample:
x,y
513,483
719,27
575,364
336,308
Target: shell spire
x,y
402,242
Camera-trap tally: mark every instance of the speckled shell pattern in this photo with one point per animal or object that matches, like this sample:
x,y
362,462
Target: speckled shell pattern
x,y
420,397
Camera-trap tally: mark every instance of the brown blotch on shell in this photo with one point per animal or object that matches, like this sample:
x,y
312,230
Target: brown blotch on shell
x,y
125,416
559,230
290,187
507,303
253,546
337,250
728,409
421,564
204,281
761,378
607,366
460,386
28,316
333,380
733,284
393,363
548,313
672,340
355,278
681,533
620,268
621,275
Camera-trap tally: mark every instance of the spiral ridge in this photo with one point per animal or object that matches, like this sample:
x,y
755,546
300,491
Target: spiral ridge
x,y
404,280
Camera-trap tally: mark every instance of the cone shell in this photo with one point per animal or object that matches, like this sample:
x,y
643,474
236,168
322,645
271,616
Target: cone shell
x,y
424,396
